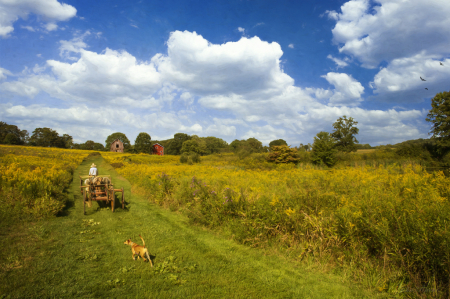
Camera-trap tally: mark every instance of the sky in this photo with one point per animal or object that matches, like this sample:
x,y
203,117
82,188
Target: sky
x,y
232,69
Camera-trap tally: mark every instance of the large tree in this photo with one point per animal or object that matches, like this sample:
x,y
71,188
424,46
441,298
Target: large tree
x,y
175,145
254,145
439,116
46,137
190,146
67,140
143,143
251,145
20,136
214,144
344,134
277,142
323,149
89,145
121,136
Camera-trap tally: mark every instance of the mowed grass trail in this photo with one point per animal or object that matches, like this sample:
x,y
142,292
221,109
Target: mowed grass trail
x,y
83,256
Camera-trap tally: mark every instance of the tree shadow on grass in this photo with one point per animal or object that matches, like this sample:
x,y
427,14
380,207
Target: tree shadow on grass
x,y
69,203
67,206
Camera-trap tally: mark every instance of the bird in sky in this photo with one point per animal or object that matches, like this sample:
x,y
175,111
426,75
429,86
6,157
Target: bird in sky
x,y
441,63
426,88
422,79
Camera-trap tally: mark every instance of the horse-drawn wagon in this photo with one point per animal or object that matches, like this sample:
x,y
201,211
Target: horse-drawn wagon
x,y
99,188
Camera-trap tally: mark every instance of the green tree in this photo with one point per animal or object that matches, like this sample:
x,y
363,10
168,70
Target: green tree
x,y
439,116
254,145
324,149
5,129
45,137
175,145
235,145
67,140
277,143
190,146
214,144
344,134
246,147
304,147
143,143
121,136
89,145
98,147
11,139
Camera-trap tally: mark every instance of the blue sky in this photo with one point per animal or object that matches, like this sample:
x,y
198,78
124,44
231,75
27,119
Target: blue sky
x,y
229,69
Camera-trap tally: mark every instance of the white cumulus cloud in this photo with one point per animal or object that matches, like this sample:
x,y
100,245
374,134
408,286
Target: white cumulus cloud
x,y
347,90
392,29
51,12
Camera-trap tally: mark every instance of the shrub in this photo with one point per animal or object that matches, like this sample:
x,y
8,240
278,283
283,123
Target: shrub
x,y
190,158
283,154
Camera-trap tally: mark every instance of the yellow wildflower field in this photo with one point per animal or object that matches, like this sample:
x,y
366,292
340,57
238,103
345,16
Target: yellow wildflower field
x,y
32,179
397,214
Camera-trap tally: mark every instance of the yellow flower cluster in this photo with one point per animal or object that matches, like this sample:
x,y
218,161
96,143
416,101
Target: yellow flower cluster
x,y
33,179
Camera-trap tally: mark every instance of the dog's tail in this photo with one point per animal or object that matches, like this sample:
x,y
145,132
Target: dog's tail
x,y
142,240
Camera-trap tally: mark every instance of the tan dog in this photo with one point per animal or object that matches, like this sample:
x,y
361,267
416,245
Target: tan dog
x,y
140,251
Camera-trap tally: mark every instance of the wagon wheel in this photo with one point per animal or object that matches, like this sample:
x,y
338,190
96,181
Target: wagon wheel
x,y
84,201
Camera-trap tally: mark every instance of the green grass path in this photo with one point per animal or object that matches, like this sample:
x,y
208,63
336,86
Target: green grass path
x,y
83,256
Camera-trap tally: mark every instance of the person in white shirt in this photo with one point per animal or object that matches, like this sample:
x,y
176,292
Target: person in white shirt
x,y
93,171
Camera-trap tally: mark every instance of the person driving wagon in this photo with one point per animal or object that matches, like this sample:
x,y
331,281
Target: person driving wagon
x,y
93,171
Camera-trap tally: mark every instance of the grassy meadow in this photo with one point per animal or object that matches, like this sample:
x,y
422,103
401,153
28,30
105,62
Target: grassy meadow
x,y
74,255
250,227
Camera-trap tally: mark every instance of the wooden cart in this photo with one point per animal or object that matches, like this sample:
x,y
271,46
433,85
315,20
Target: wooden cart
x,y
100,191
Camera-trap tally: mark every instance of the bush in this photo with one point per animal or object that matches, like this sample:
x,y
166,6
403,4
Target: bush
x,y
190,158
283,154
417,151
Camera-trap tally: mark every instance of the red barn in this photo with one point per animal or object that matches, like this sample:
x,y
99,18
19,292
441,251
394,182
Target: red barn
x,y
158,149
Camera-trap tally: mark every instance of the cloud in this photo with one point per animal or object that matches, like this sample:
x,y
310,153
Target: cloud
x,y
240,29
265,134
232,90
110,77
403,75
291,46
4,73
347,90
392,29
29,28
187,98
50,26
246,66
221,131
78,121
333,15
339,62
51,12
73,46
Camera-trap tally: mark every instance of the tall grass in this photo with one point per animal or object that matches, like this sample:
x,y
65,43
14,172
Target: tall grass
x,y
392,220
33,179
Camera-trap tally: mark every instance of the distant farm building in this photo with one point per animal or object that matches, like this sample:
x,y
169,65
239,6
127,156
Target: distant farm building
x,y
158,149
116,146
